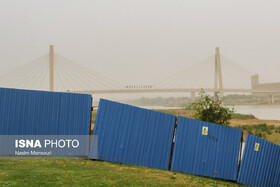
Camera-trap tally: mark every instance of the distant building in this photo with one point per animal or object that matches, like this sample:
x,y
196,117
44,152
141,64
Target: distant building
x,y
257,86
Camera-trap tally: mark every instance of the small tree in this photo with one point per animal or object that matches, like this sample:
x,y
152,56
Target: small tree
x,y
211,110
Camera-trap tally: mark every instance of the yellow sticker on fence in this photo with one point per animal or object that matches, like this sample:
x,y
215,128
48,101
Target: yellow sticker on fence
x,y
204,130
257,146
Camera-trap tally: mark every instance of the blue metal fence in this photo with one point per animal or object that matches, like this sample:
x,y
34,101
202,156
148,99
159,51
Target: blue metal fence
x,y
137,136
26,112
206,149
260,164
133,135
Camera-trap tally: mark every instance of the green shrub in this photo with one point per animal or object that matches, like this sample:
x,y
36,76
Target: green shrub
x,y
243,116
277,129
259,130
211,110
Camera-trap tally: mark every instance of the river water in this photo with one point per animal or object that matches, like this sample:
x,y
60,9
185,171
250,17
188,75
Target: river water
x,y
261,112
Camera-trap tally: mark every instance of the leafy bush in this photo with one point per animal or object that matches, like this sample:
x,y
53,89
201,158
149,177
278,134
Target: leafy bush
x,y
211,110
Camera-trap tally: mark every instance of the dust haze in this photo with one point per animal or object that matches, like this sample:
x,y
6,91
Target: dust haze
x,y
142,42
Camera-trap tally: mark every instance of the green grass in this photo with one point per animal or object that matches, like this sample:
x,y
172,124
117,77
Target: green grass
x,y
267,132
259,130
242,116
79,172
177,112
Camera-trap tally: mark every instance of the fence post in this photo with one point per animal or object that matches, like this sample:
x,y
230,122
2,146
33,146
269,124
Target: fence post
x,y
240,154
172,146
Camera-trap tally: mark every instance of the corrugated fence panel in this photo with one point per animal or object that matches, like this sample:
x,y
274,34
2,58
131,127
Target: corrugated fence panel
x,y
132,135
260,165
213,153
26,112
75,112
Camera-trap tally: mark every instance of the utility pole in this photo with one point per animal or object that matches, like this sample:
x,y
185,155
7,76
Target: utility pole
x,y
218,75
51,60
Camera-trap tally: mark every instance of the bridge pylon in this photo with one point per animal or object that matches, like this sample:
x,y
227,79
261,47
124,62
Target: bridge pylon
x,y
218,81
51,62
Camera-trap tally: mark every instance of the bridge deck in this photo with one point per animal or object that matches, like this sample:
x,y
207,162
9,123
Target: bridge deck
x,y
178,90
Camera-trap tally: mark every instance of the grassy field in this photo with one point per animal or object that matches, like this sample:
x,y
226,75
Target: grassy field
x,y
80,172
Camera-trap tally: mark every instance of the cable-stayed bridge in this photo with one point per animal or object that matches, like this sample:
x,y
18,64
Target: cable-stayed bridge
x,y
53,72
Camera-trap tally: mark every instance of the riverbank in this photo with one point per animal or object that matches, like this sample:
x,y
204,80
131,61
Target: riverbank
x,y
231,99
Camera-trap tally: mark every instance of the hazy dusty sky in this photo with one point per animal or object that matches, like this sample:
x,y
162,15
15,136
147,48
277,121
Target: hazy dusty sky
x,y
142,41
